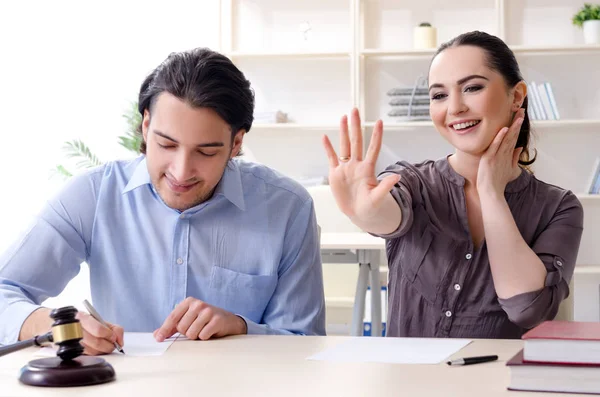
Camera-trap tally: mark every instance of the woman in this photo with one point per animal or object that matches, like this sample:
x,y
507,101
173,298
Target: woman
x,y
477,246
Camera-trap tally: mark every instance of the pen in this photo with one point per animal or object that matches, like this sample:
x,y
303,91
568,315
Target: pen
x,y
472,360
95,314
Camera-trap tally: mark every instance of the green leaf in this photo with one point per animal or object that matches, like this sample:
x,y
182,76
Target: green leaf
x,y
132,139
79,150
589,12
61,171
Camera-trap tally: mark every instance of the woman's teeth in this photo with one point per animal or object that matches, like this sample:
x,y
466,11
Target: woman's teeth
x,y
462,126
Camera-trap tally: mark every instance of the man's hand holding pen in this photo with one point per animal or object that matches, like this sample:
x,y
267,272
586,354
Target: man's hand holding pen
x,y
97,338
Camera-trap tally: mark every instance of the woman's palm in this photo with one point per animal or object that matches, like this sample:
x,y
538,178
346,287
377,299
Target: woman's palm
x,y
357,191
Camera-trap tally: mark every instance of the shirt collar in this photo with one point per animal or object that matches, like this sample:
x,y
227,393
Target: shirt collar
x,y
516,185
230,185
139,178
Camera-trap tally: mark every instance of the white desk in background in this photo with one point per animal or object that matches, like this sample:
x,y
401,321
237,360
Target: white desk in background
x,y
364,249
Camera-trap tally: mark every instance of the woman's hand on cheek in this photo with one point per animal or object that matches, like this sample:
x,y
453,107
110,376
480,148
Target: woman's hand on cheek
x,y
499,163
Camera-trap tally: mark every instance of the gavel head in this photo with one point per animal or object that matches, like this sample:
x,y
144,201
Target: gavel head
x,y
67,332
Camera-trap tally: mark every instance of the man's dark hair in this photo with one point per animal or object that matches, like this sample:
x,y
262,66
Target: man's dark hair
x,y
204,79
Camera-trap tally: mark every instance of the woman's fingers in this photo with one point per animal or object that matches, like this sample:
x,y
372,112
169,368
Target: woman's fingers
x,y
356,142
331,155
344,138
375,144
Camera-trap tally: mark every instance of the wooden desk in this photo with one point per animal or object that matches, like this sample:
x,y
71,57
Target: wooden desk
x,y
366,249
253,365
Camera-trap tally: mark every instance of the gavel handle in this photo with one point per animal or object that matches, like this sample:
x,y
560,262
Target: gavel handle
x,y
36,341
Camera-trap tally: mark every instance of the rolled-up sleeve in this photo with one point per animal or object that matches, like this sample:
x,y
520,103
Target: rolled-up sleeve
x,y
557,247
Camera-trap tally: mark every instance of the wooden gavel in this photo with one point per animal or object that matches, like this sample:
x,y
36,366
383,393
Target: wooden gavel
x,y
68,368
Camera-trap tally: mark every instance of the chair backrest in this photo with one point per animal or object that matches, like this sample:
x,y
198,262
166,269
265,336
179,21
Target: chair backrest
x,y
329,216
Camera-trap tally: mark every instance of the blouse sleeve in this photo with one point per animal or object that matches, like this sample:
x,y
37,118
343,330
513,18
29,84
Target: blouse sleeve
x,y
557,247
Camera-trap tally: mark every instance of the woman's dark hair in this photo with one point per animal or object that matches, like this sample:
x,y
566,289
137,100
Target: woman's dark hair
x,y
204,79
501,59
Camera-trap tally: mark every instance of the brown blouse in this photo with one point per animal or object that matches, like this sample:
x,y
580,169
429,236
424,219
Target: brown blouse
x,y
440,286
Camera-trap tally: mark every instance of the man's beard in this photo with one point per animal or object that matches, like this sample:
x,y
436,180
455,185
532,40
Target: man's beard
x,y
175,199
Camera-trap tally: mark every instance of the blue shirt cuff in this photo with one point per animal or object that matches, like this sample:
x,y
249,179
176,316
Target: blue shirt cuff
x,y
12,319
254,328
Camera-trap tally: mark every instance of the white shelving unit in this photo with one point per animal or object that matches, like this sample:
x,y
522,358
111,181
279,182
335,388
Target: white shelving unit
x,y
315,60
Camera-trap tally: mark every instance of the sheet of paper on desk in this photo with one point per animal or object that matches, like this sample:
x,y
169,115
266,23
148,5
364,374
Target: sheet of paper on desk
x,y
392,350
136,344
144,344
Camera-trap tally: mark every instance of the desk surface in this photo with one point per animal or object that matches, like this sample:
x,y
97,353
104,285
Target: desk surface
x,y
351,241
252,365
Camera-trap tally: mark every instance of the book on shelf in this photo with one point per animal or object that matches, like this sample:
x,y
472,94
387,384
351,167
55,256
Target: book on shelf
x,y
594,182
542,103
407,100
409,91
553,377
563,342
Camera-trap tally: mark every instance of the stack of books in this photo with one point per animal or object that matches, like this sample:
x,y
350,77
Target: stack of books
x,y
541,102
410,103
558,356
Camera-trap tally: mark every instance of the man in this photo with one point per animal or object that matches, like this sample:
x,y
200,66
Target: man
x,y
186,238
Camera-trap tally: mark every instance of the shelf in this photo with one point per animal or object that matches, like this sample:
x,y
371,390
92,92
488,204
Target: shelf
x,y
291,54
556,50
589,197
518,50
392,125
565,123
540,124
398,53
587,269
292,127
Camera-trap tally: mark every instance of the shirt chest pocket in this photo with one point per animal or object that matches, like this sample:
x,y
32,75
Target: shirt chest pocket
x,y
241,293
418,267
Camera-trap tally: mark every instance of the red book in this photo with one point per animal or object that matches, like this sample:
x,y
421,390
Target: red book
x,y
573,378
565,342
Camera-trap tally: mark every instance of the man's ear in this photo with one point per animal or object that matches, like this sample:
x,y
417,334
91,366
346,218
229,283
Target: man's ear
x,y
520,92
145,125
237,143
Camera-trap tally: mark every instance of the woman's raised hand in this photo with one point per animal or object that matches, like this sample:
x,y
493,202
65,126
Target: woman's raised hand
x,y
355,187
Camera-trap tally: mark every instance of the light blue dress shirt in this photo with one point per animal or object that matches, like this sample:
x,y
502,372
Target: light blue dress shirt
x,y
252,249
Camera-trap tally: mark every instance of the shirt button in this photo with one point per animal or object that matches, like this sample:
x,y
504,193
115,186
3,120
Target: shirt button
x,y
448,313
559,263
182,216
179,261
457,287
468,256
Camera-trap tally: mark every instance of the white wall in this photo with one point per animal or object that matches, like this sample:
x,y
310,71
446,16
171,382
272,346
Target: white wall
x,y
68,70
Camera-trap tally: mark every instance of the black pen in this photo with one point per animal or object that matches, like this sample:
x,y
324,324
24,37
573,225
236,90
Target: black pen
x,y
472,360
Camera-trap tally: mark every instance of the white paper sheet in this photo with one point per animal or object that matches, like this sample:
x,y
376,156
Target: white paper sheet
x,y
136,344
144,344
392,350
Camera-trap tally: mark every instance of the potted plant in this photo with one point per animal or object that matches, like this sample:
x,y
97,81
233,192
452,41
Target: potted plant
x,y
588,18
77,149
425,36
